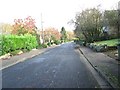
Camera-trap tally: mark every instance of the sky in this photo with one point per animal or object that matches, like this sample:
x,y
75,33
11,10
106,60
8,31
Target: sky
x,y
55,13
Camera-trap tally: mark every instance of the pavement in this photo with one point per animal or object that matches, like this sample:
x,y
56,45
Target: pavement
x,y
107,67
24,56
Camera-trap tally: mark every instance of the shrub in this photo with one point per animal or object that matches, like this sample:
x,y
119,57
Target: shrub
x,y
15,52
44,45
52,43
39,46
94,47
87,44
49,44
14,42
91,45
112,47
100,48
81,42
24,50
56,42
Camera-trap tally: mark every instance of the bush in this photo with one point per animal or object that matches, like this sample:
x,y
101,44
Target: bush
x,y
81,42
39,46
91,45
25,50
94,47
56,42
112,47
99,48
44,45
52,43
15,52
49,44
14,42
87,44
102,46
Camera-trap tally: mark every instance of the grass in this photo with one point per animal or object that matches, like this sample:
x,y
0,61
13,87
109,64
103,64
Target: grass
x,y
112,42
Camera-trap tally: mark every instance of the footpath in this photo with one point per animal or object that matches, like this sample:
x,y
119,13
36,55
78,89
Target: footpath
x,y
107,67
22,57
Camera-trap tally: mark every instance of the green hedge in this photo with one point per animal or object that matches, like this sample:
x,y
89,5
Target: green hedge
x,y
15,42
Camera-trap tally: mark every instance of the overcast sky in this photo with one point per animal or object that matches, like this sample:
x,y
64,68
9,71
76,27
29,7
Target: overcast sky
x,y
55,13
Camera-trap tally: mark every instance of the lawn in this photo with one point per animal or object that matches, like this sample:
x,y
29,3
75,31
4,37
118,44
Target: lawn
x,y
112,42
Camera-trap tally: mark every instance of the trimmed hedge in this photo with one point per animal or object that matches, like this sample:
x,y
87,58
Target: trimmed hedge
x,y
14,42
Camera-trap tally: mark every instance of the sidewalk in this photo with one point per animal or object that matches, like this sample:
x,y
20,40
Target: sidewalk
x,y
24,56
104,65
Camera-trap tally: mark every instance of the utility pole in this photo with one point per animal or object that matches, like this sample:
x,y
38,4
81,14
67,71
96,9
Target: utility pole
x,y
42,29
119,30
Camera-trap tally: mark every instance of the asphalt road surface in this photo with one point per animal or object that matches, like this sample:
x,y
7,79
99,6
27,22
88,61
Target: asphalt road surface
x,y
60,67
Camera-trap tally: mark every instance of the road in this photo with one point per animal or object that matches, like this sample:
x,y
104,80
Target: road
x,y
60,67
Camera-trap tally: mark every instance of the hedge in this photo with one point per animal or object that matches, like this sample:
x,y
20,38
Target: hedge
x,y
14,42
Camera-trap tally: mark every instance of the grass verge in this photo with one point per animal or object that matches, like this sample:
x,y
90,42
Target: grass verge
x,y
112,42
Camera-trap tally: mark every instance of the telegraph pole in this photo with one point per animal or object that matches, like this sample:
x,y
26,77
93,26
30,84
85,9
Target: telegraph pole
x,y
119,30
42,29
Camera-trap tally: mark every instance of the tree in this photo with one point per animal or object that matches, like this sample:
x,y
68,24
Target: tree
x,y
63,34
24,26
70,35
51,34
111,21
89,23
6,28
111,17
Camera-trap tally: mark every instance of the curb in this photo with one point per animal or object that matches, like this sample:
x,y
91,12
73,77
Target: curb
x,y
99,72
